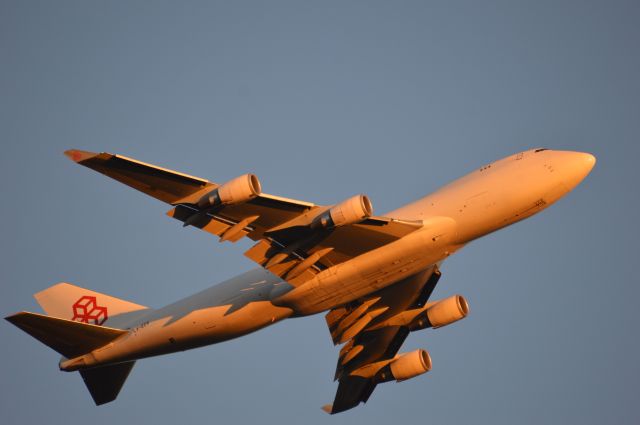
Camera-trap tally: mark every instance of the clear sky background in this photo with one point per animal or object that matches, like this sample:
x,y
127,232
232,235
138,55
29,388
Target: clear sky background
x,y
324,100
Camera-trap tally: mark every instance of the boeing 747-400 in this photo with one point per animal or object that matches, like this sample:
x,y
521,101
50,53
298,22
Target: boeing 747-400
x,y
373,275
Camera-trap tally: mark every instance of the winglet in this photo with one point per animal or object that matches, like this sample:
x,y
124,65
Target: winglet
x,y
78,156
328,408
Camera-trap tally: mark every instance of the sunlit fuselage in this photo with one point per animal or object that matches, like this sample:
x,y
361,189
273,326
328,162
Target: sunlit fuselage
x,y
488,199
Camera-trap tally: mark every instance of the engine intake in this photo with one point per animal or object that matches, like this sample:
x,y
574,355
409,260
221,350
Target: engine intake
x,y
442,313
236,191
406,366
350,211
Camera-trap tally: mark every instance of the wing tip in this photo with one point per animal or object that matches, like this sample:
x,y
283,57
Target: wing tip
x,y
77,155
14,318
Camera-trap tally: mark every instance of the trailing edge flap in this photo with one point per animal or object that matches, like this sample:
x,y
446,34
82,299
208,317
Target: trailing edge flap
x,y
69,338
104,383
280,253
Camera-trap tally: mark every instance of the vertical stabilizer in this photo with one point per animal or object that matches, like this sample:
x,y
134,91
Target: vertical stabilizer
x,y
70,302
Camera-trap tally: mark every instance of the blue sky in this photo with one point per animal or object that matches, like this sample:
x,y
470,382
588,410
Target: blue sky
x,y
324,100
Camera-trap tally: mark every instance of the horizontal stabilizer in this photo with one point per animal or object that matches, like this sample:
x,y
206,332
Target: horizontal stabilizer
x,y
104,383
69,338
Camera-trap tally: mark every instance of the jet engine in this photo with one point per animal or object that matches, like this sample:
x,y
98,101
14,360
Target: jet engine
x,y
442,313
406,366
350,211
236,191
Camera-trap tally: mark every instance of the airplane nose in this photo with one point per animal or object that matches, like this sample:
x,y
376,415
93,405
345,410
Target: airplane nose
x,y
578,166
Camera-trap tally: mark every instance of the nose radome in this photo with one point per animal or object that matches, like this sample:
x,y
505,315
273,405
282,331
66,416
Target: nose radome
x,y
589,160
578,166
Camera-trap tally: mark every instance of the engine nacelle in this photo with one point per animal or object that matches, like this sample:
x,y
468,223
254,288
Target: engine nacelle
x,y
409,365
447,311
350,211
236,191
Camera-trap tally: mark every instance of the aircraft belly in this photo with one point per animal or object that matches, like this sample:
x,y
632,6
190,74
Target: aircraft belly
x,y
196,329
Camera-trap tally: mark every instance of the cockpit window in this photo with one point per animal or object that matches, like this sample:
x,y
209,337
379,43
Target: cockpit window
x,y
540,150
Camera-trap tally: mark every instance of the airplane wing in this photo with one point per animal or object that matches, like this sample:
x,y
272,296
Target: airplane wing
x,y
364,342
292,240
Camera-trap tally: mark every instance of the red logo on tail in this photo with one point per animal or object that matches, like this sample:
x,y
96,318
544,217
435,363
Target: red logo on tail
x,y
86,310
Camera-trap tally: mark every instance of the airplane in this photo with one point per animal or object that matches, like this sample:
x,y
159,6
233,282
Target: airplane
x,y
373,274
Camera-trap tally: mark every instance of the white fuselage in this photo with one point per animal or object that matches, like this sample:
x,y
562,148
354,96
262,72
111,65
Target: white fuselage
x,y
492,197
